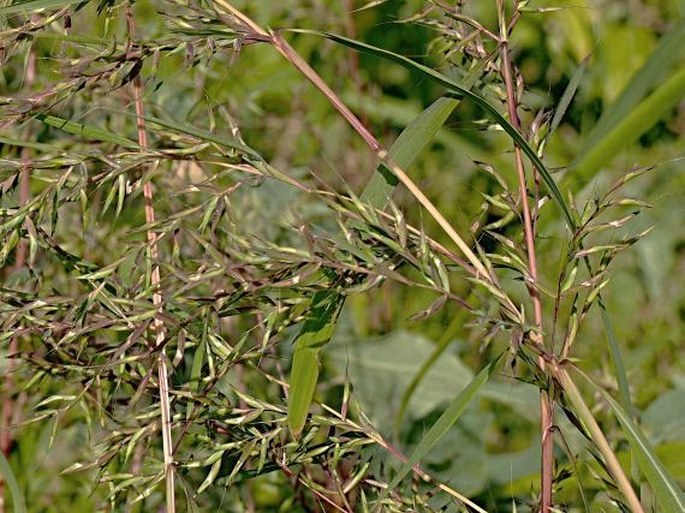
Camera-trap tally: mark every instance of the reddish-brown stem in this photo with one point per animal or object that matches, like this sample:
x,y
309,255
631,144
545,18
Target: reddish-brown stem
x,y
546,403
20,260
158,326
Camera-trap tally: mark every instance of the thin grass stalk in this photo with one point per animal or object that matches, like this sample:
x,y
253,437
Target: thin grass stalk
x,y
614,467
294,58
287,51
546,402
159,328
8,406
422,474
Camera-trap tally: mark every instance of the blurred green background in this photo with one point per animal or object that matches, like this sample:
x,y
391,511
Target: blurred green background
x,y
492,455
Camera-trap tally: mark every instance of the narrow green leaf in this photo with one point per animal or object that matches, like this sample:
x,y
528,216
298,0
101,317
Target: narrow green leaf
x,y
617,360
199,358
35,5
204,135
441,426
408,145
211,476
316,332
670,496
411,142
568,95
656,66
460,92
28,144
11,480
627,131
303,379
305,367
620,373
446,338
87,131
318,329
121,182
103,272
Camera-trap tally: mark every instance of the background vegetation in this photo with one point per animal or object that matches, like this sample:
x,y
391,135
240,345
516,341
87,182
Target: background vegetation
x,y
181,211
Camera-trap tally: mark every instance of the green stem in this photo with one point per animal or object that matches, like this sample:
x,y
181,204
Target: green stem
x,y
585,415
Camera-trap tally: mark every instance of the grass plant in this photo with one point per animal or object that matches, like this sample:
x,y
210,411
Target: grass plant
x,y
228,286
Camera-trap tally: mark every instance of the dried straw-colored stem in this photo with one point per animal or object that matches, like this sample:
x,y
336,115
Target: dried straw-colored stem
x,y
585,415
158,325
280,44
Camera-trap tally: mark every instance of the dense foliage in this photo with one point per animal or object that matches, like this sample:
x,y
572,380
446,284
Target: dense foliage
x,y
220,292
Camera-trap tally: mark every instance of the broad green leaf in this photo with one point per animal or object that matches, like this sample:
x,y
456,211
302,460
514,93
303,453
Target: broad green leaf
x,y
670,496
460,91
87,131
316,332
441,426
11,480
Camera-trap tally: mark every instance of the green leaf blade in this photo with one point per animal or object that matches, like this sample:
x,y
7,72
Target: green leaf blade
x,y
627,131
448,418
13,485
305,368
35,5
659,62
670,496
303,379
462,92
87,131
